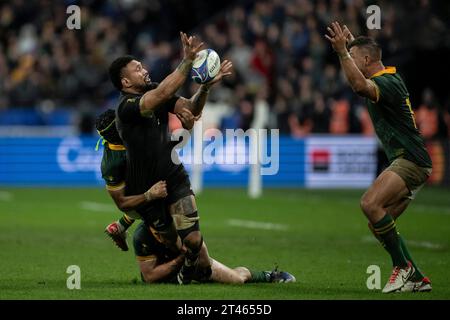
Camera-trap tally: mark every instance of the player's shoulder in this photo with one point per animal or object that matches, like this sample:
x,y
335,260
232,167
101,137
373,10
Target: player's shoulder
x,y
128,98
385,76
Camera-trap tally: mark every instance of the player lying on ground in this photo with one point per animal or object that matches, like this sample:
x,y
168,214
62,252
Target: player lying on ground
x,y
158,264
142,122
113,168
410,165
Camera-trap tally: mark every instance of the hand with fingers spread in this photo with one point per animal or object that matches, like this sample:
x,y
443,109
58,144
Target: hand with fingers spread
x,y
191,46
338,38
187,118
225,70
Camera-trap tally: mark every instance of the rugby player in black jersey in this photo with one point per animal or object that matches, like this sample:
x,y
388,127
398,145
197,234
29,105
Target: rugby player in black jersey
x,y
142,122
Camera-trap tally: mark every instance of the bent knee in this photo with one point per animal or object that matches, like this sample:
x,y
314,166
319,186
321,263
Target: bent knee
x,y
368,205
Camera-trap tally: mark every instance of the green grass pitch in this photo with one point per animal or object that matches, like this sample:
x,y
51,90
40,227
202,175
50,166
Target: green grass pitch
x,y
320,236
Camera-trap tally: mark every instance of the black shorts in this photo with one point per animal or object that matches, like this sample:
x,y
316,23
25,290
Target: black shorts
x,y
156,213
178,186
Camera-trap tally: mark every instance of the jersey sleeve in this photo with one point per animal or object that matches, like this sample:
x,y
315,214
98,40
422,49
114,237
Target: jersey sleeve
x,y
129,110
142,244
386,90
113,169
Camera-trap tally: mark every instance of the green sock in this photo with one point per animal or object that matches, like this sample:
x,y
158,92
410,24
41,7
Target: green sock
x,y
259,276
126,221
417,274
386,230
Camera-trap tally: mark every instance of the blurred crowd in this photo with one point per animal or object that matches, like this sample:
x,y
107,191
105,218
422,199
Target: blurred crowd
x,y
286,75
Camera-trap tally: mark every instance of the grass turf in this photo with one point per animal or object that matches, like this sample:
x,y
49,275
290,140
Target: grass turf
x,y
320,236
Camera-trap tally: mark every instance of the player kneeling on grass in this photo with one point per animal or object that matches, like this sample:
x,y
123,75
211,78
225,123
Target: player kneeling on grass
x,y
158,264
410,165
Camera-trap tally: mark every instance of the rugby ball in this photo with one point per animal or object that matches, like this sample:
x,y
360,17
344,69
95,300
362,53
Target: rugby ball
x,y
206,66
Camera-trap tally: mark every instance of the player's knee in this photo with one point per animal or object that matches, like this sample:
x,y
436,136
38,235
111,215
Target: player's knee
x,y
194,240
368,206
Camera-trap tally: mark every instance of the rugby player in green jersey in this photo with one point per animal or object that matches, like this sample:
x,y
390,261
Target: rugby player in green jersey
x,y
410,165
156,262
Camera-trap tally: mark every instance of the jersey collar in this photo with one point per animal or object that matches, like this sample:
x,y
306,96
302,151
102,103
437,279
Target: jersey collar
x,y
390,70
116,147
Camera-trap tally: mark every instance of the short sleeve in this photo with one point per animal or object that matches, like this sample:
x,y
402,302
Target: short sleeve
x,y
142,244
129,110
113,169
385,90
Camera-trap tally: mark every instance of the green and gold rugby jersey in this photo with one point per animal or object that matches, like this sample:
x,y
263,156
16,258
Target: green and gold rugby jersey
x,y
113,167
393,119
148,245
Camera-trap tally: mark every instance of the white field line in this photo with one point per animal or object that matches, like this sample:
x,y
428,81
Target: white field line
x,y
97,206
256,224
413,243
5,196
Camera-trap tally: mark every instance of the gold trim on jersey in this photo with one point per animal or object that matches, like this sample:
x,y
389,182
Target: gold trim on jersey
x,y
377,90
118,187
146,258
116,147
390,70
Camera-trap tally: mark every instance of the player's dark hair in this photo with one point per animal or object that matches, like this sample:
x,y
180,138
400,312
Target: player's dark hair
x,y
372,47
115,70
105,124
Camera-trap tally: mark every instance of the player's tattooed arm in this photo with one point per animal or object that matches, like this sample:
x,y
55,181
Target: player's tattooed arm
x,y
185,66
170,85
196,103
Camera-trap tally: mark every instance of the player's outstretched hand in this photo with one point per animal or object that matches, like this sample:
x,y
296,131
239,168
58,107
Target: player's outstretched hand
x,y
158,190
191,46
225,70
338,37
187,118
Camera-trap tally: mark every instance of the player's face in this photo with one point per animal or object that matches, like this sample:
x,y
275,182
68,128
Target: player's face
x,y
360,59
135,76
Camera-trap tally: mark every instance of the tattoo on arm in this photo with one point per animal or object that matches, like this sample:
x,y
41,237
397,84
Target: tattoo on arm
x,y
185,66
199,99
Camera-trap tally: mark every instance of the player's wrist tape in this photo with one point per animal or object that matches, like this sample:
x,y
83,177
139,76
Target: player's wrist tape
x,y
148,195
344,56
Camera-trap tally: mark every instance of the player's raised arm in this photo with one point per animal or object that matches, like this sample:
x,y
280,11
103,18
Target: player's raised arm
x,y
167,88
196,103
358,81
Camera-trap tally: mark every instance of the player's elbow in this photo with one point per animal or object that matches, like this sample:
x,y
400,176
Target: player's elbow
x,y
150,277
122,206
360,88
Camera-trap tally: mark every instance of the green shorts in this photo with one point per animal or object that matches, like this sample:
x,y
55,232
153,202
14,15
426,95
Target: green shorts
x,y
413,175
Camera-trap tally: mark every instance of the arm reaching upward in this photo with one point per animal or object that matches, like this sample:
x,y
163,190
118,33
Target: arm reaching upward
x,y
356,79
167,88
196,103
